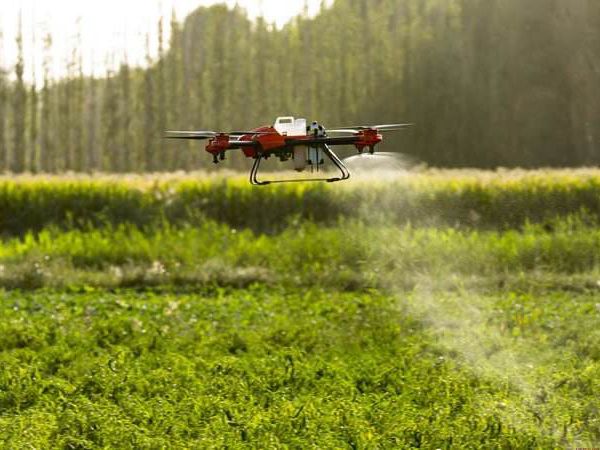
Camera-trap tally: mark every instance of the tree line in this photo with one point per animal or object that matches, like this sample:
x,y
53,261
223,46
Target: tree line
x,y
487,82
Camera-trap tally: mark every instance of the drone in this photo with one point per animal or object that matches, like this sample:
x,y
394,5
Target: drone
x,y
291,139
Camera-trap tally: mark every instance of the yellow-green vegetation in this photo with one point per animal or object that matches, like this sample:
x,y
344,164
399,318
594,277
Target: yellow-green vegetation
x,y
504,199
439,310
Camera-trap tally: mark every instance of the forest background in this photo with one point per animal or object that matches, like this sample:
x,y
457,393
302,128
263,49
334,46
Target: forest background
x,y
488,83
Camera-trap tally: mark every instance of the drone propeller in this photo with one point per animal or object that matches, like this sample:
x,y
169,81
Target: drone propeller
x,y
393,127
204,135
381,128
242,133
196,135
348,131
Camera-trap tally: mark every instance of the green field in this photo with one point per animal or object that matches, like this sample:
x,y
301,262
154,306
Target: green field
x,y
438,310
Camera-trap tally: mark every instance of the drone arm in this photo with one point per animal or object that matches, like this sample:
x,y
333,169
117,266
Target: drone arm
x,y
190,137
203,136
236,145
342,140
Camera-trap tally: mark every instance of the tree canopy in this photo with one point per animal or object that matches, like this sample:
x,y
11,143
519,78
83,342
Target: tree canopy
x,y
487,82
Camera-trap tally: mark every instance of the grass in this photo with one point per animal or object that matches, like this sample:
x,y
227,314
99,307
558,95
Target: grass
x,y
133,320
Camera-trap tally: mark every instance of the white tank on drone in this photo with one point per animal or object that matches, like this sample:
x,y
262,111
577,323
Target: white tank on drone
x,y
288,126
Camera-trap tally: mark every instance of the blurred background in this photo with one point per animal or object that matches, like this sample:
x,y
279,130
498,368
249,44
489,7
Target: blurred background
x,y
91,86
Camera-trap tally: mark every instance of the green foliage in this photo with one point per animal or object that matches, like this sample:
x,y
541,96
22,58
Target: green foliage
x,y
264,369
302,255
497,200
134,315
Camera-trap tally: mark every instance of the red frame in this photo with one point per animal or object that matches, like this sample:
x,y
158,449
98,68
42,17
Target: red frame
x,y
268,141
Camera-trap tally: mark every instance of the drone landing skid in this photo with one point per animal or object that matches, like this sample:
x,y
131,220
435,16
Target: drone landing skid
x,y
345,173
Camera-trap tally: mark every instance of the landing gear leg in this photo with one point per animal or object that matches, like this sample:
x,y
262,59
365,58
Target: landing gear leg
x,y
345,173
338,163
254,172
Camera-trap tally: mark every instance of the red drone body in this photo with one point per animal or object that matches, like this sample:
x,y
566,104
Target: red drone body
x,y
293,139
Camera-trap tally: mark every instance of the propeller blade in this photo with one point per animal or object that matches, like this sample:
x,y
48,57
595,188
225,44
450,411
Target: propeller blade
x,y
204,135
359,127
194,138
214,133
343,131
196,135
242,133
392,127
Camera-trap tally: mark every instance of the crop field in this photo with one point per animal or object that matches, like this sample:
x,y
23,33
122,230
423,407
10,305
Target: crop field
x,y
443,309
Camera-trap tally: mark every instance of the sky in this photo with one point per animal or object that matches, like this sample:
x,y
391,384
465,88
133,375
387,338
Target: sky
x,y
109,27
